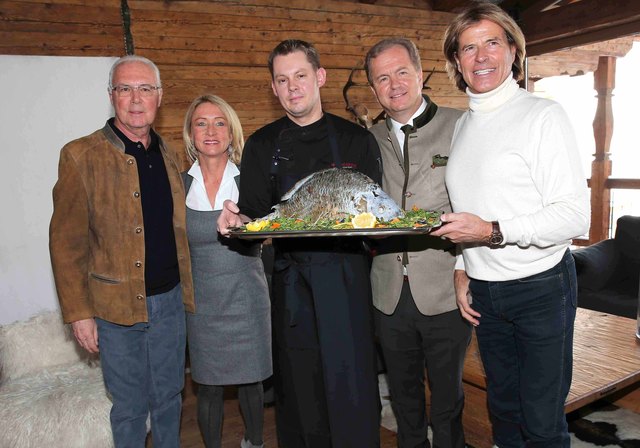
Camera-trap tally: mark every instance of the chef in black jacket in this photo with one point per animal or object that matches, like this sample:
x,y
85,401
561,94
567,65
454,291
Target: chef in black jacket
x,y
325,373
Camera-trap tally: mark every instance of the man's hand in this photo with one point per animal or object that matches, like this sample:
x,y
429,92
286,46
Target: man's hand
x,y
86,333
463,297
230,217
463,228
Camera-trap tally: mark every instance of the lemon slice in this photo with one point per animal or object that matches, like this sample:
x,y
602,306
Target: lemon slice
x,y
256,226
364,221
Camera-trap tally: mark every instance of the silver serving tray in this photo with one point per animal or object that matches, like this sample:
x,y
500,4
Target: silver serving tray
x,y
237,232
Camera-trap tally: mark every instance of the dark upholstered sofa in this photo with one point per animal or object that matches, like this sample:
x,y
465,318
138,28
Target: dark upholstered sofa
x,y
608,271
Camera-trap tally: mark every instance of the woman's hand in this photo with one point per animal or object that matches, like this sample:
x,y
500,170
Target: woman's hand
x,y
230,217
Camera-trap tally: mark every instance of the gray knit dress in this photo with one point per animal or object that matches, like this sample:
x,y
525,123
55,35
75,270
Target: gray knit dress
x,y
229,335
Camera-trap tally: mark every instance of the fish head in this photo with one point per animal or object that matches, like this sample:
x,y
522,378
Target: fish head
x,y
381,205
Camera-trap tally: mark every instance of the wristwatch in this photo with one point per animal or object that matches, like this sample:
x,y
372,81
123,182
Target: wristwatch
x,y
496,237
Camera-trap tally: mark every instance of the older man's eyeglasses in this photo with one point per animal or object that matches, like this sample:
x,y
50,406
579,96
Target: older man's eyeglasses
x,y
125,90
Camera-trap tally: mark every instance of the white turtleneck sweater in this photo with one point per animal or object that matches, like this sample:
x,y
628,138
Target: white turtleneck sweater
x,y
514,159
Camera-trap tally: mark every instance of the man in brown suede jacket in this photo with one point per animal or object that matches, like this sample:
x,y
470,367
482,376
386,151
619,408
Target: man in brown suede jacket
x,y
120,257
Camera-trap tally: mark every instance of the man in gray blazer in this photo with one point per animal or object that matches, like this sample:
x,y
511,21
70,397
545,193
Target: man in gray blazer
x,y
417,319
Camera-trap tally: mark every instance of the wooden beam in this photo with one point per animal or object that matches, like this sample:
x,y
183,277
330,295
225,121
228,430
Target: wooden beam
x,y
578,60
579,23
424,4
623,184
627,29
517,8
615,47
604,83
449,5
545,66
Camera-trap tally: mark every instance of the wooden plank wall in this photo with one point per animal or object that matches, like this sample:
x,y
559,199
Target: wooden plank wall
x,y
221,46
61,28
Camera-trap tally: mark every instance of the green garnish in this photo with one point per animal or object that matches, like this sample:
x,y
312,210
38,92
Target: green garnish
x,y
413,218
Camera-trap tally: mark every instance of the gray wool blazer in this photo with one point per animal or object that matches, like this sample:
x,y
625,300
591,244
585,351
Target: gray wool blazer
x,y
431,260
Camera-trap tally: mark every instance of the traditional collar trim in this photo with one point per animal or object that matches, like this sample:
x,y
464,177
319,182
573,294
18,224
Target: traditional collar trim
x,y
422,119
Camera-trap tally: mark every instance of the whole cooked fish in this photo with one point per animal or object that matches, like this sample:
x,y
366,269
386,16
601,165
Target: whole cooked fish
x,y
335,193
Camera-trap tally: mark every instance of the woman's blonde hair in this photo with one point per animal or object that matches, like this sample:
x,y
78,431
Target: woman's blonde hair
x,y
473,14
237,138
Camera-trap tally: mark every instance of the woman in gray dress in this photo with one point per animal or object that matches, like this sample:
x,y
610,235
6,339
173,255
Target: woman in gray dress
x,y
229,334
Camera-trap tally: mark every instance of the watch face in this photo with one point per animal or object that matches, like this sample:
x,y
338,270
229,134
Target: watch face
x,y
496,239
496,235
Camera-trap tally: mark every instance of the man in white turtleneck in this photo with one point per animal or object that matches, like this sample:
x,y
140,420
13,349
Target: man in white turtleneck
x,y
519,196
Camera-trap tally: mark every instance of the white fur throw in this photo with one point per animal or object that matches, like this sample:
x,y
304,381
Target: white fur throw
x,y
38,343
50,394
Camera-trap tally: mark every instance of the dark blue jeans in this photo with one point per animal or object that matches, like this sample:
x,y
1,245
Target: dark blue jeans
x,y
143,370
525,339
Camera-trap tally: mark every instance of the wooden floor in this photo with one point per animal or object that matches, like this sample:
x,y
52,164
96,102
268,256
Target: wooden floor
x,y
628,398
233,429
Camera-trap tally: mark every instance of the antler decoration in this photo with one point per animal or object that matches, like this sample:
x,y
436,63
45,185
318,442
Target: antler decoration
x,y
426,80
360,111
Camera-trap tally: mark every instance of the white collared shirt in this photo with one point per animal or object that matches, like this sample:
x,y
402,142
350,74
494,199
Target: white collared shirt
x,y
396,125
197,198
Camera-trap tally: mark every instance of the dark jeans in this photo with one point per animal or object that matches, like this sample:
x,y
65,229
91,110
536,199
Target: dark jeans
x,y
525,338
143,370
410,341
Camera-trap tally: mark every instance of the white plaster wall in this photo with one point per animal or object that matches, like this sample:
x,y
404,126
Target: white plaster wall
x,y
44,103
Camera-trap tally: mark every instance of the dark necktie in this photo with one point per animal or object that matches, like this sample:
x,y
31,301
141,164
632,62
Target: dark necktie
x,y
407,129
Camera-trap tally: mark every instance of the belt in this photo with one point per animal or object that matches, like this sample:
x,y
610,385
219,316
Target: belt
x,y
406,278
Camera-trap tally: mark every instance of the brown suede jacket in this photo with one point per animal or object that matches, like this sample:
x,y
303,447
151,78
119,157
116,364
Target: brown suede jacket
x,y
96,236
